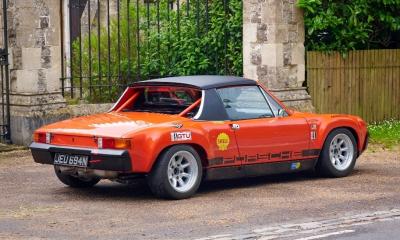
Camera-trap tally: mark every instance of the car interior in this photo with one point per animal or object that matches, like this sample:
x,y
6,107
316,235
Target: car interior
x,y
167,100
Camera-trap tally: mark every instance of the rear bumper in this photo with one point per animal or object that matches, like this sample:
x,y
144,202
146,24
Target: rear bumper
x,y
100,159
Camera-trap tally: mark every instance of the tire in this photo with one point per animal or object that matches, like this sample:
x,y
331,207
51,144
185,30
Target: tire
x,y
177,173
75,182
338,155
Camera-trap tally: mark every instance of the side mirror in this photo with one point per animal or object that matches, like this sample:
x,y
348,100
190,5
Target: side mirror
x,y
281,113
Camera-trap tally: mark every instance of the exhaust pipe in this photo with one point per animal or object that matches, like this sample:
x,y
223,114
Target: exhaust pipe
x,y
88,172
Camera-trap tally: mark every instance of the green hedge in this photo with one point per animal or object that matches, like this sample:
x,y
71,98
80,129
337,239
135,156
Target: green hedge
x,y
342,25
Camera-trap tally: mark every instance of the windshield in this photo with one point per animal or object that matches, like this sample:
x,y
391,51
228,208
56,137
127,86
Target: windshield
x,y
168,100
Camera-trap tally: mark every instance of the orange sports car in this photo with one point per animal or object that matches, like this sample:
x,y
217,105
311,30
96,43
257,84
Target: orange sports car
x,y
178,131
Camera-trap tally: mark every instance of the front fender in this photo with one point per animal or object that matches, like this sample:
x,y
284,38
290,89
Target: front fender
x,y
326,124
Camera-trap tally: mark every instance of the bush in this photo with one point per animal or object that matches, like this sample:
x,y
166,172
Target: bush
x,y
339,25
164,51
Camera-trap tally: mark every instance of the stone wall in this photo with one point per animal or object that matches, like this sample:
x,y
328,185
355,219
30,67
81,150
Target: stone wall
x,y
273,49
23,125
35,64
93,14
34,40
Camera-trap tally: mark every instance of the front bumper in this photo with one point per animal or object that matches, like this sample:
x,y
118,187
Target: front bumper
x,y
365,145
99,159
366,142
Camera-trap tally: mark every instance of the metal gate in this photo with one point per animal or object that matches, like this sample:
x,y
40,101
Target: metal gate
x,y
110,44
5,134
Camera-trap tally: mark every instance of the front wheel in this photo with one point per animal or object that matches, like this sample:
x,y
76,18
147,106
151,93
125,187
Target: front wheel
x,y
338,155
75,182
177,173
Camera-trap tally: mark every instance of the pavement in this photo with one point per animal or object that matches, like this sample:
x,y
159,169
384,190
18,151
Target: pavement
x,y
365,205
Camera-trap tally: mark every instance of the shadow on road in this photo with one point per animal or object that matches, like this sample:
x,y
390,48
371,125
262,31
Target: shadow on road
x,y
104,190
212,186
139,190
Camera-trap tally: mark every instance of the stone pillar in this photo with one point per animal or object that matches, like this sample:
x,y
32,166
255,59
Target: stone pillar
x,y
35,65
273,49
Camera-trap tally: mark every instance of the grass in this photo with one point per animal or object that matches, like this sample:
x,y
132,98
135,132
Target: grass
x,y
386,133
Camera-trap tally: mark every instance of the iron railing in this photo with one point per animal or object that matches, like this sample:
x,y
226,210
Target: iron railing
x,y
114,43
5,133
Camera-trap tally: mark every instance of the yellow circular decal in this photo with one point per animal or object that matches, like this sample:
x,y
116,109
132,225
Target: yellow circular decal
x,y
223,141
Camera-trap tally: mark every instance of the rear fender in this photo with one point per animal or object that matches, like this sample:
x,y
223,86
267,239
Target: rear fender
x,y
147,146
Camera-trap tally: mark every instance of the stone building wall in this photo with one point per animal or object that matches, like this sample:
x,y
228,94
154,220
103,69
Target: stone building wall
x,y
273,49
34,41
93,14
35,64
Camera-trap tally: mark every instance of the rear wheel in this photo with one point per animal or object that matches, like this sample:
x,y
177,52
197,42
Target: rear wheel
x,y
339,154
177,173
75,182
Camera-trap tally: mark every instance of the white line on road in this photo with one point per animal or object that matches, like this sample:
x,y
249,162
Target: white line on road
x,y
292,230
326,235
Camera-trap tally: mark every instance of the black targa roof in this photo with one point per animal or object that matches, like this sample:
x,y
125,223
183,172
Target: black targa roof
x,y
202,81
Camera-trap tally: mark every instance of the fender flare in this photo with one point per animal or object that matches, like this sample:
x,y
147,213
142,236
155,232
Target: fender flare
x,y
158,141
346,123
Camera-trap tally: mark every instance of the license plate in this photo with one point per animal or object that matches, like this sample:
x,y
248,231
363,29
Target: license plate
x,y
71,160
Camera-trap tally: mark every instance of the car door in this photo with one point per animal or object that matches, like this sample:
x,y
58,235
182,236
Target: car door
x,y
261,135
223,144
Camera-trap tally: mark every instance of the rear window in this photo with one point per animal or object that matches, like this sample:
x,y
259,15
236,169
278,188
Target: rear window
x,y
169,100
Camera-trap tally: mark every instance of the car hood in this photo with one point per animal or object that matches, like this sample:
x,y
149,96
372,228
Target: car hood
x,y
111,124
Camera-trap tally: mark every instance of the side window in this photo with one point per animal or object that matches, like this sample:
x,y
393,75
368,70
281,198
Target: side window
x,y
247,102
274,104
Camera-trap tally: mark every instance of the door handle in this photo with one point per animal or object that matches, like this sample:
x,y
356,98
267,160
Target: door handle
x,y
235,126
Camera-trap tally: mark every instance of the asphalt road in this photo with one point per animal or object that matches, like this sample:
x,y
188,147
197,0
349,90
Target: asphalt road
x,y
365,205
378,231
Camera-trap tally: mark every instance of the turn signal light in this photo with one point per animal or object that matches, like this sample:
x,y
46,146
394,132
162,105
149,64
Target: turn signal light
x,y
42,137
113,143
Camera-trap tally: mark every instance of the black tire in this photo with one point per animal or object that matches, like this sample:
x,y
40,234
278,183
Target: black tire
x,y
158,178
75,182
325,167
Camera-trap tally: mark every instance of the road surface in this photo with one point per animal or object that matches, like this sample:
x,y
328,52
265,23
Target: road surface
x,y
365,205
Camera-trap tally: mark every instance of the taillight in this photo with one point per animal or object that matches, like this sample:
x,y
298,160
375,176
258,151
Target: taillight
x,y
113,143
42,137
